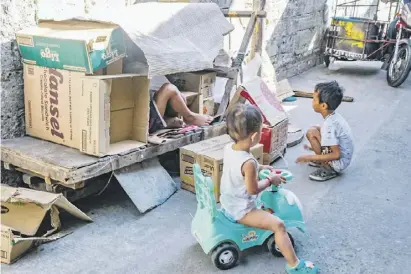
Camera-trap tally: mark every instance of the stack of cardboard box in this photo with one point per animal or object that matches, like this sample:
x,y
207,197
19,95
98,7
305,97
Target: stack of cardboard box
x,y
74,90
77,95
209,155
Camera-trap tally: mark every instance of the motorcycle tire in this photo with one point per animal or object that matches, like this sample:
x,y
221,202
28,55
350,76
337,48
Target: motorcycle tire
x,y
404,74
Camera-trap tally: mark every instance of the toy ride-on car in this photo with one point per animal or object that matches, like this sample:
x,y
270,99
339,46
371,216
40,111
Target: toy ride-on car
x,y
225,239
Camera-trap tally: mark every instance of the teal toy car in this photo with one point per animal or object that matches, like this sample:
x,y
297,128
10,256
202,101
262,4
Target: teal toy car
x,y
225,239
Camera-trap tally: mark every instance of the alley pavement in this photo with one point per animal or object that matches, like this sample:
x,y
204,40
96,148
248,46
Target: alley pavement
x,y
357,223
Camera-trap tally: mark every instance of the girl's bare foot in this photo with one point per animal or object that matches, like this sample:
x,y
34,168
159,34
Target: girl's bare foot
x,y
174,122
198,119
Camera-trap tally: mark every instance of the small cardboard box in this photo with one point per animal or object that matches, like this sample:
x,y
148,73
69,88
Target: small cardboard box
x,y
198,104
201,82
99,115
74,45
209,155
29,217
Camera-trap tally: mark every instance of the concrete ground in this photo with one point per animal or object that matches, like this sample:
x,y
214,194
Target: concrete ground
x,y
358,223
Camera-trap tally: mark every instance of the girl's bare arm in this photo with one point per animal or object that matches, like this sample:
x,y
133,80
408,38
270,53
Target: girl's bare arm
x,y
253,185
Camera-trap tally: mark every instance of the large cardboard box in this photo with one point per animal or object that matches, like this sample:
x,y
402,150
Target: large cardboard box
x,y
99,115
29,217
210,158
201,82
74,45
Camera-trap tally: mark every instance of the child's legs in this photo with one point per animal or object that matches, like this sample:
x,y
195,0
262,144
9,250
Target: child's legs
x,y
170,112
261,219
169,95
314,137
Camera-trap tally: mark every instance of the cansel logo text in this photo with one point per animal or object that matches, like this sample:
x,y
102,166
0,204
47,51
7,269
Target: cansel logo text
x,y
56,79
48,54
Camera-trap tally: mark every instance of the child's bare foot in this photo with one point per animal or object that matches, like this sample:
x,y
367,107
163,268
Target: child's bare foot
x,y
174,122
198,119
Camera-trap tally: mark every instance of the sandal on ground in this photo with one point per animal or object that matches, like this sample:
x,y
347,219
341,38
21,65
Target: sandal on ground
x,y
314,164
323,174
303,267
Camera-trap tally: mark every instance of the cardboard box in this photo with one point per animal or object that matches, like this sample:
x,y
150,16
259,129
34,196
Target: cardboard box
x,y
29,217
112,69
274,133
74,45
198,104
99,115
210,158
274,139
201,82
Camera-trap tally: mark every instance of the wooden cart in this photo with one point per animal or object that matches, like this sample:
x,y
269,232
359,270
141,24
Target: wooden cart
x,y
56,168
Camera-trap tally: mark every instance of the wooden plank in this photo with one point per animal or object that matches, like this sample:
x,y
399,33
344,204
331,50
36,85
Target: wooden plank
x,y
246,40
237,64
257,38
70,166
304,94
243,13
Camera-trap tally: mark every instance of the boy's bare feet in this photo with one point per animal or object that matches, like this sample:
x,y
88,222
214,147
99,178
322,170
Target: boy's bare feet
x,y
198,119
174,122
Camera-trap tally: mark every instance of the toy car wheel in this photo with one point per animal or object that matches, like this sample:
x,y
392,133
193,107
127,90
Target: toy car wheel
x,y
225,256
273,248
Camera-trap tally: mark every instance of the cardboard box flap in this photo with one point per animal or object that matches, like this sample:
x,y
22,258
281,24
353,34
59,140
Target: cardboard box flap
x,y
257,93
71,29
124,147
105,77
63,203
25,195
23,209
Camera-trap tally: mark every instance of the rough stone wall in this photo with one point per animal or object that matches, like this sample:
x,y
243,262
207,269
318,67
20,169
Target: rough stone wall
x,y
15,15
293,35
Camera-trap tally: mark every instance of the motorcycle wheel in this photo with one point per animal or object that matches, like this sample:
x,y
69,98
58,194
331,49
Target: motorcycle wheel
x,y
397,73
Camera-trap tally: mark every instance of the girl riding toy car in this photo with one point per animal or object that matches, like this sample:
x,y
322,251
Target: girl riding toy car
x,y
224,239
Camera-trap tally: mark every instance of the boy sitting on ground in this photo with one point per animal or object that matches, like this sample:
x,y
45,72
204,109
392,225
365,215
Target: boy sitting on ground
x,y
167,104
332,143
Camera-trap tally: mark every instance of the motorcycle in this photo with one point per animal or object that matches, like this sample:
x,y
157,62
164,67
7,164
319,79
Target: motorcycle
x,y
398,60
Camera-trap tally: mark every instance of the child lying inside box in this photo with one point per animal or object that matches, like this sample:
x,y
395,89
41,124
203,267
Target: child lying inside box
x,y
167,104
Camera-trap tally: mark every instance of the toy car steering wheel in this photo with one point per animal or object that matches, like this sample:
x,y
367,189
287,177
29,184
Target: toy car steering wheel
x,y
282,172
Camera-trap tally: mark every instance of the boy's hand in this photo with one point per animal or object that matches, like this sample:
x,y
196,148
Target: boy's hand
x,y
303,159
276,179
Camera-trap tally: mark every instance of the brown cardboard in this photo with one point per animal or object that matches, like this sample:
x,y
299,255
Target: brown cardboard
x,y
49,97
210,158
197,104
23,211
201,82
257,93
208,106
95,106
98,115
11,250
112,69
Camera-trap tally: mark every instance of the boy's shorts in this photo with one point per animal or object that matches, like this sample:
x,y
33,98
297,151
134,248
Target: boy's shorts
x,y
337,165
156,122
